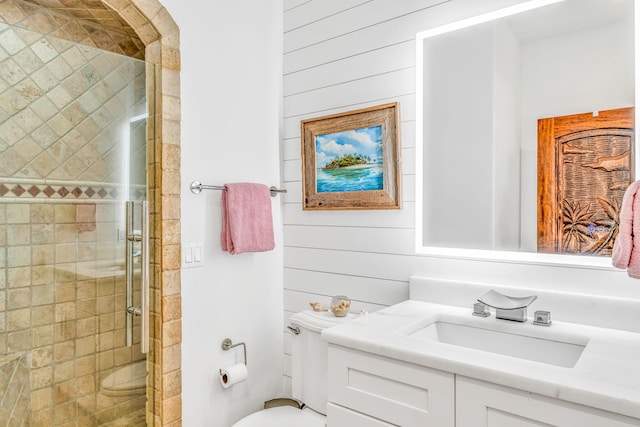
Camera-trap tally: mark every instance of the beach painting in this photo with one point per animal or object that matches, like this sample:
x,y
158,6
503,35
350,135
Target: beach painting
x,y
350,160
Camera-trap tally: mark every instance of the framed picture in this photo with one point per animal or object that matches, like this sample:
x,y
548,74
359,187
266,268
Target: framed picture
x,y
352,160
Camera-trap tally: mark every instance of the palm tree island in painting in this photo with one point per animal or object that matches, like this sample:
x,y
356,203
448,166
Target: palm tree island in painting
x,y
349,160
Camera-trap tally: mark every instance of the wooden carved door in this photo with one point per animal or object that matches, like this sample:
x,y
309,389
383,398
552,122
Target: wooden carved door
x,y
585,164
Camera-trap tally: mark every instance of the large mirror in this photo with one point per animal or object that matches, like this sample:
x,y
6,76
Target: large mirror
x,y
487,89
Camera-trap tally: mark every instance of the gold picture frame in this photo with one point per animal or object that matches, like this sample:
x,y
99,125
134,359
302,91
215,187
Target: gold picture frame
x,y
351,160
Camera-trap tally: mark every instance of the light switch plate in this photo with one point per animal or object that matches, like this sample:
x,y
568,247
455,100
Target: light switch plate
x,y
192,255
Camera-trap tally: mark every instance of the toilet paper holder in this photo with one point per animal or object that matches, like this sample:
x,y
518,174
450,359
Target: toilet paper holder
x,y
227,345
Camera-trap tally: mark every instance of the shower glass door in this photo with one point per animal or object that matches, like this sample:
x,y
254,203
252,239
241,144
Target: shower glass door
x,y
75,145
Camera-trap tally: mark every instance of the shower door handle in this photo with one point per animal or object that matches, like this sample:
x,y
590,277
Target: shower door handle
x,y
144,260
133,236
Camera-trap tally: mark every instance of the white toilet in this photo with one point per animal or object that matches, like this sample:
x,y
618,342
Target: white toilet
x,y
309,374
122,392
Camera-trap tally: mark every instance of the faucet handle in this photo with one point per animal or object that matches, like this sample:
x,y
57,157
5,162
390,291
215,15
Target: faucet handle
x,y
479,309
542,318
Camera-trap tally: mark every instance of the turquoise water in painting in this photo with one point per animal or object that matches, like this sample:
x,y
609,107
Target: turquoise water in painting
x,y
352,178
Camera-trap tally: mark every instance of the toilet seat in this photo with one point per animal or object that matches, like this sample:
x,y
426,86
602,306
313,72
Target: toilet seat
x,y
283,416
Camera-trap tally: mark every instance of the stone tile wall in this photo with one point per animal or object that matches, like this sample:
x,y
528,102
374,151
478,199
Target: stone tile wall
x,y
64,111
64,108
63,291
151,22
87,22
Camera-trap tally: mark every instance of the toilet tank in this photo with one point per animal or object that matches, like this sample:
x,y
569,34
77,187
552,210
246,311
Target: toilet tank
x,y
309,357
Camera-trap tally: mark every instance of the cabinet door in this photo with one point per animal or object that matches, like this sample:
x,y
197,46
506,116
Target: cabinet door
x,y
337,416
480,404
397,392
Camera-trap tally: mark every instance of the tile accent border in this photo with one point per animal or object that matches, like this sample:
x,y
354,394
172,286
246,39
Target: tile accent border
x,y
25,190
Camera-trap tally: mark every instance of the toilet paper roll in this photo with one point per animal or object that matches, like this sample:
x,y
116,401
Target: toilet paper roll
x,y
233,374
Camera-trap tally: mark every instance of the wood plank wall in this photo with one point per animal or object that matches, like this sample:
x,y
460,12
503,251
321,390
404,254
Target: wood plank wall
x,y
341,55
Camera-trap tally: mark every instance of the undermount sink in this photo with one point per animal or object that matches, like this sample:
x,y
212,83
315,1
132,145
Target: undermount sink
x,y
551,351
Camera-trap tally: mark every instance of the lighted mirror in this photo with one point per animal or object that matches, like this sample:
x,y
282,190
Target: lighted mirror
x,y
485,87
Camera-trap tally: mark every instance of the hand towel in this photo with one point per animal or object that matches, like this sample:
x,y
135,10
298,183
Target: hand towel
x,y
626,248
247,224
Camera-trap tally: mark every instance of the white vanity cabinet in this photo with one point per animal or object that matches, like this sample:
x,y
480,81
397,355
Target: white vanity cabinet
x,y
482,404
339,416
369,390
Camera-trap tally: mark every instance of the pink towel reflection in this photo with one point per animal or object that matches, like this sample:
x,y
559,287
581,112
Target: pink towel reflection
x,y
626,249
247,224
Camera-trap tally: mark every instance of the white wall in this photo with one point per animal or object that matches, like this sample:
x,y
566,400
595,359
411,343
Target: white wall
x,y
346,54
339,55
231,97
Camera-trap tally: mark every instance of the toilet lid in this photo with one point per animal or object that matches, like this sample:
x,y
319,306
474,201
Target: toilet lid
x,y
282,416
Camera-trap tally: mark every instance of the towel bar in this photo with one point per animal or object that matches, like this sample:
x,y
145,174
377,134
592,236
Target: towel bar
x,y
197,187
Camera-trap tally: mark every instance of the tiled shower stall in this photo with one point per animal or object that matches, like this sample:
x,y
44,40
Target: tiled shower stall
x,y
72,128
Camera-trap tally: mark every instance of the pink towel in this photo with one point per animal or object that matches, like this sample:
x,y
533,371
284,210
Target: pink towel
x,y
626,248
247,225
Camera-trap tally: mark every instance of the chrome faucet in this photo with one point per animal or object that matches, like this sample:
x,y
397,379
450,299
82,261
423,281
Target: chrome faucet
x,y
507,308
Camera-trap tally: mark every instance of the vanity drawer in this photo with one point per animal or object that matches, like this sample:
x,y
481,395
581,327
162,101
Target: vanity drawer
x,y
482,404
337,416
391,390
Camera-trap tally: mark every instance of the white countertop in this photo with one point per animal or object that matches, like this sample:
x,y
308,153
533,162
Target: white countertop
x,y
607,375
